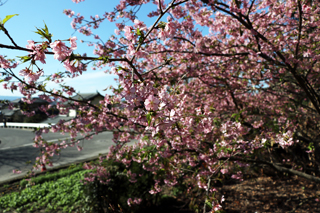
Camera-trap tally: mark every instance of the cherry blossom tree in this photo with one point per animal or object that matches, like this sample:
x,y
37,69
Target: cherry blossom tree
x,y
210,87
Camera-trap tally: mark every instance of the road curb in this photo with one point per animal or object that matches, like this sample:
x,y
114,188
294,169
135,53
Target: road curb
x,y
20,177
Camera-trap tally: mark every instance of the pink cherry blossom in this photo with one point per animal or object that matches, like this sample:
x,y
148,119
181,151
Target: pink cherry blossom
x,y
5,64
38,51
31,76
152,103
16,171
60,50
77,1
73,43
224,171
68,12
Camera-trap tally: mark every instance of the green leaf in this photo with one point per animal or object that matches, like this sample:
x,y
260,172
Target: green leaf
x,y
236,116
208,203
105,59
311,147
24,58
8,17
162,24
44,32
149,117
119,68
138,32
145,138
141,35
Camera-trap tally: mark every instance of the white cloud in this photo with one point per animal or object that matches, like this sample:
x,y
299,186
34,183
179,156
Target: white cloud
x,y
92,82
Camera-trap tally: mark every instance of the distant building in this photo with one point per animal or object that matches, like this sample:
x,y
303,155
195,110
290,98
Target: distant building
x,y
94,99
36,103
12,115
16,115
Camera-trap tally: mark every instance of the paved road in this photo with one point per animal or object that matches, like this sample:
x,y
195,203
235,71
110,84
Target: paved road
x,y
11,137
16,149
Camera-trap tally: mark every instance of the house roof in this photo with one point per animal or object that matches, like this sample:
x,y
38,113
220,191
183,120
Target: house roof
x,y
8,112
83,97
39,100
16,101
86,96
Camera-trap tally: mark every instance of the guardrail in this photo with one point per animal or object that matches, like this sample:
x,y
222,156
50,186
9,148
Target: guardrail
x,y
23,125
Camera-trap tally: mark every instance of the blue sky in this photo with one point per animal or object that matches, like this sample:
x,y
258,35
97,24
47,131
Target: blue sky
x,y
32,13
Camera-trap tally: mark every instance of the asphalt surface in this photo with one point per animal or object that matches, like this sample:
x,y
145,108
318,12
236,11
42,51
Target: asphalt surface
x,y
16,149
11,137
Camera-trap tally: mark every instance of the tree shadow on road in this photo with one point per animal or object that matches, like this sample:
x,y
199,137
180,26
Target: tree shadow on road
x,y
17,158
